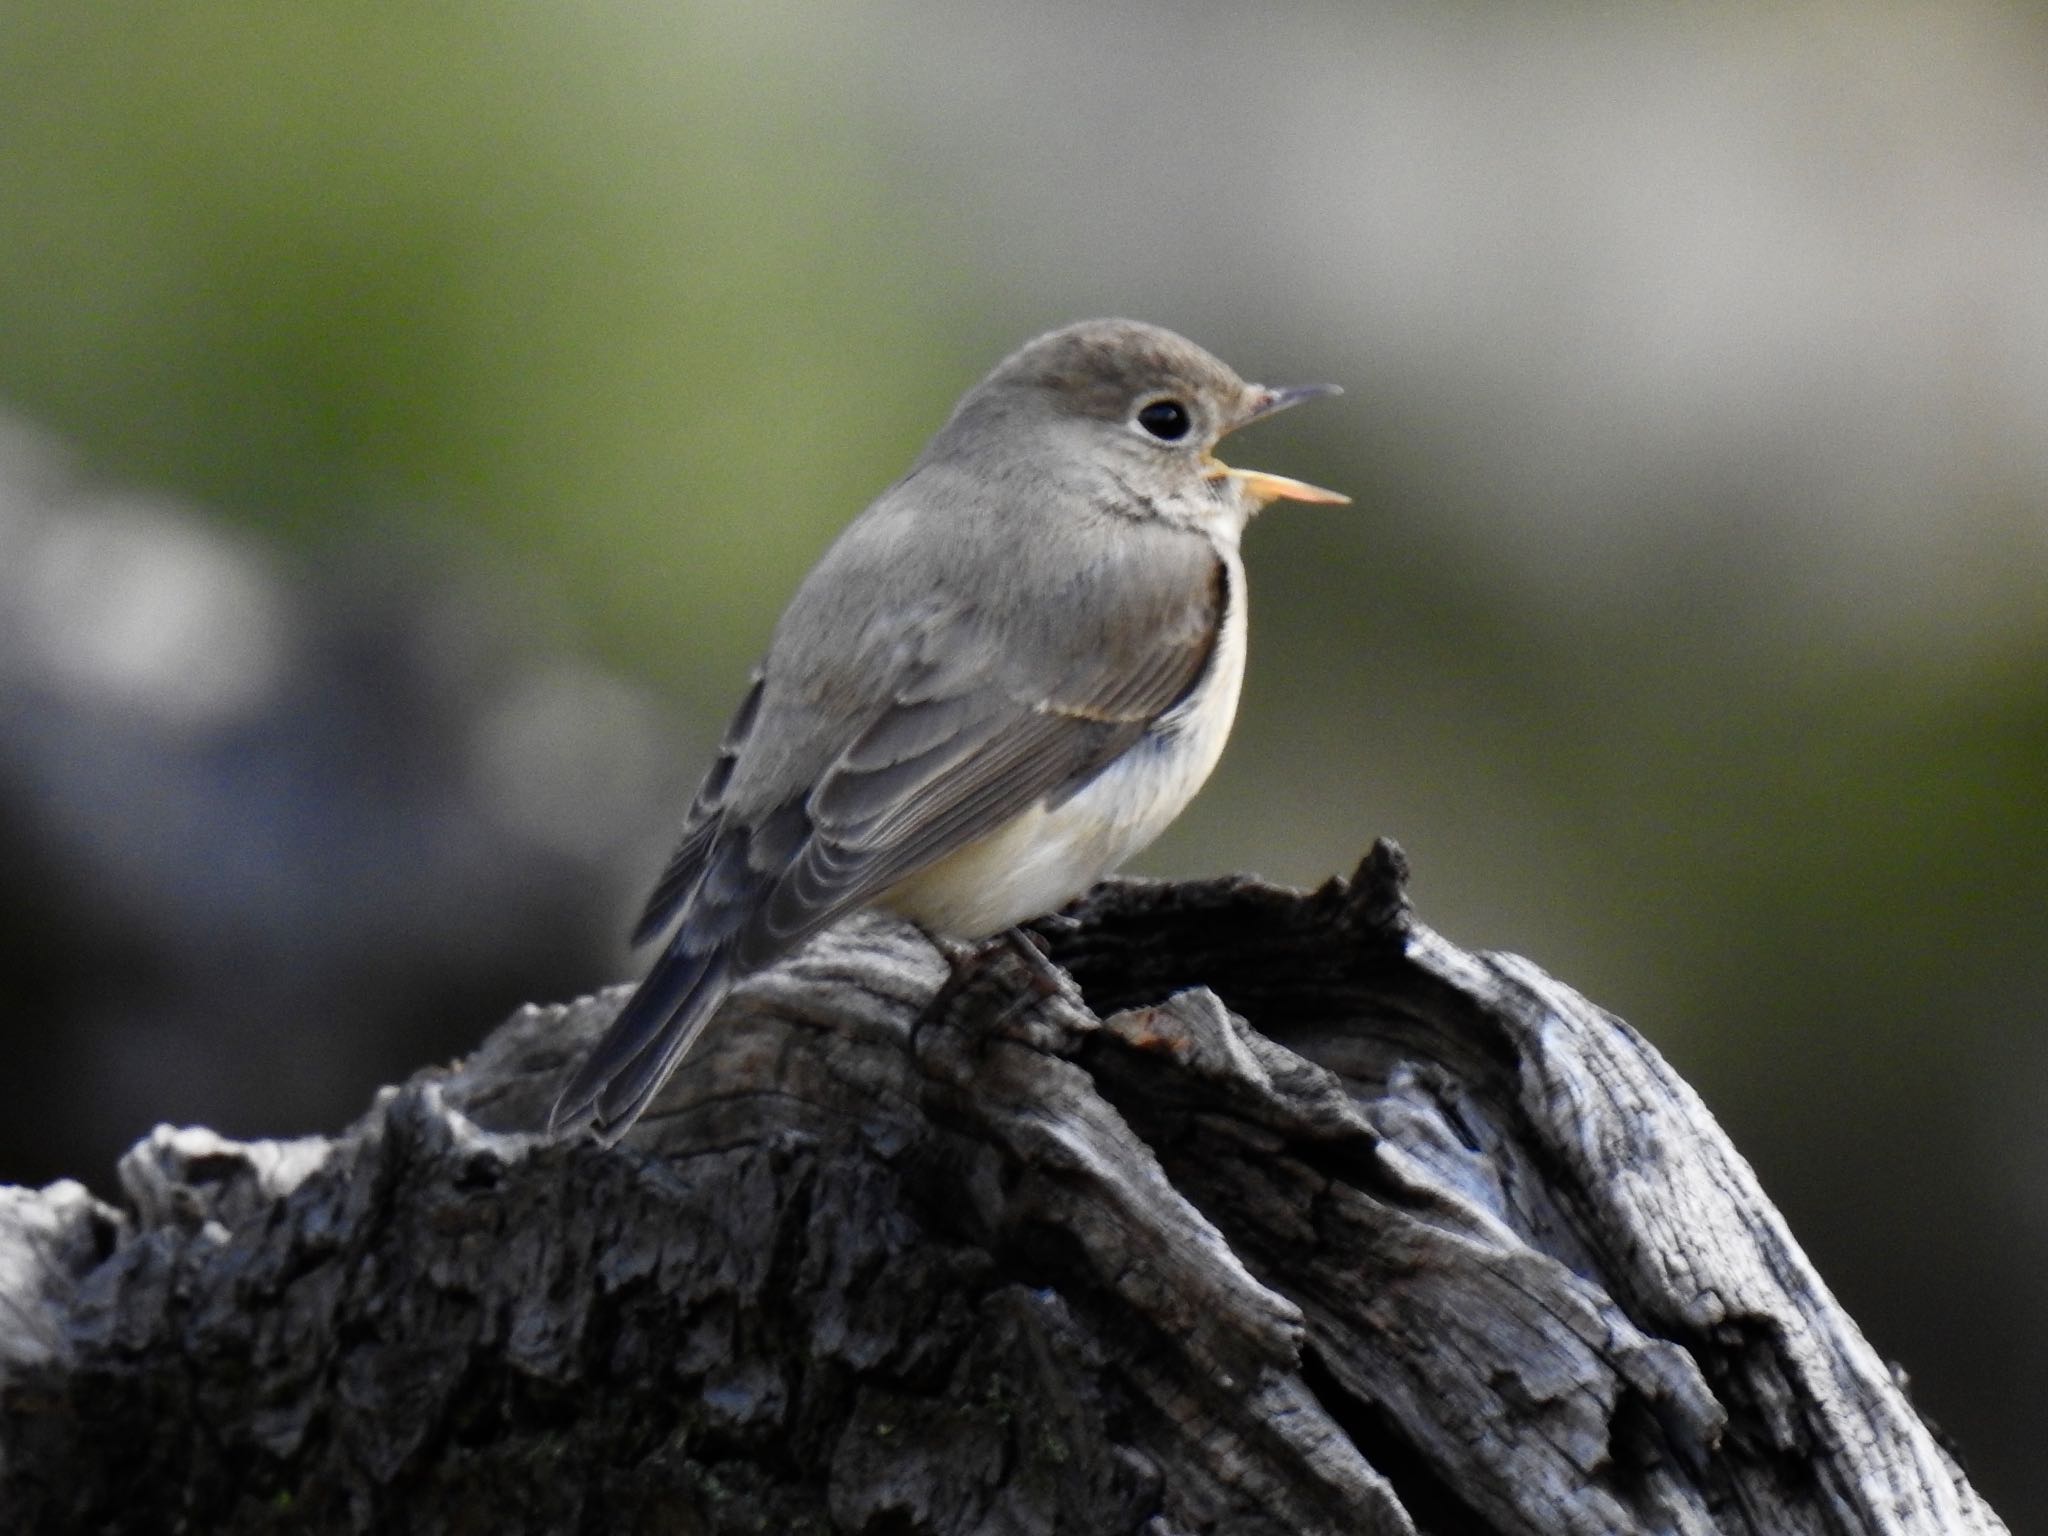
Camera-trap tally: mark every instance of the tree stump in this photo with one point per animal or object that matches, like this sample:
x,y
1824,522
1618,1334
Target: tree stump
x,y
1281,1215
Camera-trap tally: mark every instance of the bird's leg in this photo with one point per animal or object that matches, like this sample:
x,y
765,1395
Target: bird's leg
x,y
967,963
1047,979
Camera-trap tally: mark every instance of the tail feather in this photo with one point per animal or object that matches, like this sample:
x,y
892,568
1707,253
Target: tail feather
x,y
718,888
652,1033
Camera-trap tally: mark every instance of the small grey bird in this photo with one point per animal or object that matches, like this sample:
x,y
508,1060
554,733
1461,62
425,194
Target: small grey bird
x,y
1007,676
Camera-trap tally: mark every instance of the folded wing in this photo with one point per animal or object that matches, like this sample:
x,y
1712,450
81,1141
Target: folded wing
x,y
962,729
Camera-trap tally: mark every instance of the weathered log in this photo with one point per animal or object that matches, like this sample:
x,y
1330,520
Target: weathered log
x,y
1285,1215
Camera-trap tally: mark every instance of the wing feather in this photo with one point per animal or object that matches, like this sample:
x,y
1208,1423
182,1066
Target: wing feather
x,y
934,770
873,753
685,866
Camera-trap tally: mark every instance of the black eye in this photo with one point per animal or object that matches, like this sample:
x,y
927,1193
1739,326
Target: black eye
x,y
1166,420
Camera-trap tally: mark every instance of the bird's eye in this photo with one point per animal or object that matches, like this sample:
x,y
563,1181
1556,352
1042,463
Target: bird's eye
x,y
1166,420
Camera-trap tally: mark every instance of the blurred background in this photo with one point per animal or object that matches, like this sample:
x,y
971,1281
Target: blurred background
x,y
412,420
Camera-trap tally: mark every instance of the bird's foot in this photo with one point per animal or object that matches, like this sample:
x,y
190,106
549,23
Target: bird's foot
x,y
1047,979
969,964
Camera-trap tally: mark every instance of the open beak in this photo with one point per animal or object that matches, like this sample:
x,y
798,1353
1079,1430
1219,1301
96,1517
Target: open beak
x,y
1256,483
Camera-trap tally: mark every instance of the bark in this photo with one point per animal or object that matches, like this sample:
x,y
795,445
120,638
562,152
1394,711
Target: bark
x,y
1277,1214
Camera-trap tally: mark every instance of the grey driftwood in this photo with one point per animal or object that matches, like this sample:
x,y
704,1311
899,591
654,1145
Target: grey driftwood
x,y
1287,1217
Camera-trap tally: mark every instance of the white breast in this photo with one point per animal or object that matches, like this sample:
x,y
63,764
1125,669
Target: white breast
x,y
1046,857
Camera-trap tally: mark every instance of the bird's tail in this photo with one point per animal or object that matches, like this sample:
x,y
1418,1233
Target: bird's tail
x,y
651,1035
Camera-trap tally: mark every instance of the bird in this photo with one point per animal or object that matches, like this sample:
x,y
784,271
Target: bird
x,y
1005,677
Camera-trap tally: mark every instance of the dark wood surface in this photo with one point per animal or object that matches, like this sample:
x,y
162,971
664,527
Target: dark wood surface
x,y
1273,1212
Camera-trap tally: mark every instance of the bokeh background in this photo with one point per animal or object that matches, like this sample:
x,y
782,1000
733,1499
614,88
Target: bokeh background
x,y
412,419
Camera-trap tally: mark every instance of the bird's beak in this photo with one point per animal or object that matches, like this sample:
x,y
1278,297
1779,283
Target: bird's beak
x,y
1256,483
1262,487
1266,401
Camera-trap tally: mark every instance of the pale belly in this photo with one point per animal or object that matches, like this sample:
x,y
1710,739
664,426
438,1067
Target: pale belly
x,y
1046,857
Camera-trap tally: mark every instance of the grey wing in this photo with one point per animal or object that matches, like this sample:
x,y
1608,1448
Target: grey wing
x,y
962,750
679,876
958,738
